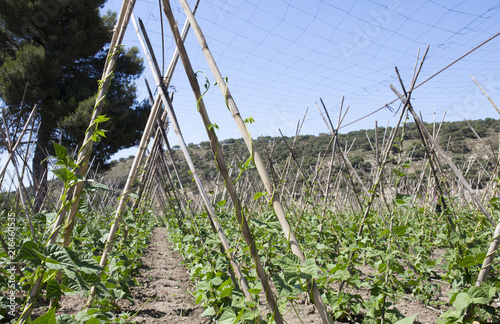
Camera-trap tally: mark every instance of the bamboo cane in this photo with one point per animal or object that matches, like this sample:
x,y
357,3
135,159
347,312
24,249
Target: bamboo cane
x,y
18,142
448,160
221,165
125,194
290,236
86,150
20,185
486,95
84,154
168,105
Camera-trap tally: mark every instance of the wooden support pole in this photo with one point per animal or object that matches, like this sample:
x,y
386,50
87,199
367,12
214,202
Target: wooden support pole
x,y
86,149
280,213
448,160
210,211
18,142
495,242
134,169
222,166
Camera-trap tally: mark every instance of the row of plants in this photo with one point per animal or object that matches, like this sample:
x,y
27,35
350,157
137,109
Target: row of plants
x,y
72,269
67,248
364,259
361,277
361,274
78,266
398,250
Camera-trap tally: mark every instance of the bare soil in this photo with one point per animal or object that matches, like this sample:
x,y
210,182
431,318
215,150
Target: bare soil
x,y
162,295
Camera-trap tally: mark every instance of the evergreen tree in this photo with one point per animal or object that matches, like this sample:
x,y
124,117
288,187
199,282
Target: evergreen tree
x,y
52,53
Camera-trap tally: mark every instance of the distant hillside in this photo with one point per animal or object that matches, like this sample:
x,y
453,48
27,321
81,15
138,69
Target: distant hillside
x,y
457,138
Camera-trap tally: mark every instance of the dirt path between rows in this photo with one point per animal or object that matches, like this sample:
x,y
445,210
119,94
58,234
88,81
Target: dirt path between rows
x,y
162,294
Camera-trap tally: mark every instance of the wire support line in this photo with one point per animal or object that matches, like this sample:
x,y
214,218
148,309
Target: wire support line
x,y
417,86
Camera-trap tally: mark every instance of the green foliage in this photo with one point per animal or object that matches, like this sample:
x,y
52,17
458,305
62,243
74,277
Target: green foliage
x,y
479,300
328,260
48,318
75,269
52,54
79,266
361,157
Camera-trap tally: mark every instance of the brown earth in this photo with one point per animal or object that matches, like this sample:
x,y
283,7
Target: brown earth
x,y
162,295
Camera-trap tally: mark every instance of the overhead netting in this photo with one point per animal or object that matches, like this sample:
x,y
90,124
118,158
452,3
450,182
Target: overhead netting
x,y
280,57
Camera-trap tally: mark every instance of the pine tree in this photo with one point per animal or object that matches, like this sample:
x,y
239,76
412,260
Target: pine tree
x,y
52,53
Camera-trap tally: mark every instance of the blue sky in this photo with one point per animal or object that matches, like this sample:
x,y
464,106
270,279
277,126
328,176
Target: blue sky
x,y
282,56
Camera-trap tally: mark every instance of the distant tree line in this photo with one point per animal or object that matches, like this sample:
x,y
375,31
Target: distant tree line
x,y
455,137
